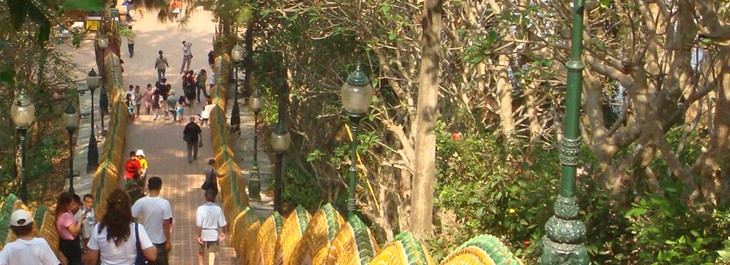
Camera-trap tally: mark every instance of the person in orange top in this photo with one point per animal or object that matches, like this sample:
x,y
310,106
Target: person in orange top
x,y
176,7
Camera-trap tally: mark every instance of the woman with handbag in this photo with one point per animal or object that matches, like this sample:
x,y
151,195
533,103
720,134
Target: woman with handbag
x,y
211,178
117,239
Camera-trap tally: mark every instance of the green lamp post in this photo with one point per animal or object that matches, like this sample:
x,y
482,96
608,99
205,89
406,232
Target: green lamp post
x,y
22,112
564,242
254,104
280,141
237,56
92,82
70,119
356,94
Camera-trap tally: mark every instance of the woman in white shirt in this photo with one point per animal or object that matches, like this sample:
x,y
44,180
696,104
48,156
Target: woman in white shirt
x,y
114,240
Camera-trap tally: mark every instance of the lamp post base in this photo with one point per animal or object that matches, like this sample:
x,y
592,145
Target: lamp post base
x,y
92,155
565,235
254,187
235,119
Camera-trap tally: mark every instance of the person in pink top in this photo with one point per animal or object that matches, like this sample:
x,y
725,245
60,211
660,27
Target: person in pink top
x,y
68,229
147,98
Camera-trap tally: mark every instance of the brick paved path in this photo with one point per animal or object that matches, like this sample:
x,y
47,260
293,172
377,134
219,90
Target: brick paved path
x,y
165,150
161,140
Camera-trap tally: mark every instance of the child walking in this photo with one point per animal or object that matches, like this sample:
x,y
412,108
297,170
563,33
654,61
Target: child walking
x,y
180,107
129,101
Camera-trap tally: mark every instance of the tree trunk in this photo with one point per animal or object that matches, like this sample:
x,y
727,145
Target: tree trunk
x,y
504,96
248,61
426,116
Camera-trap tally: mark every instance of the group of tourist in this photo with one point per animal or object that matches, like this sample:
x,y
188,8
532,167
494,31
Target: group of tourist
x,y
130,232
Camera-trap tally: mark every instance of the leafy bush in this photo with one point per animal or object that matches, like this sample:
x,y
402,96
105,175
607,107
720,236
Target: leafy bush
x,y
493,190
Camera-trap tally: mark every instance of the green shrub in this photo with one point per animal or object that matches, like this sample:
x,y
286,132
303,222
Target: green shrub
x,y
493,190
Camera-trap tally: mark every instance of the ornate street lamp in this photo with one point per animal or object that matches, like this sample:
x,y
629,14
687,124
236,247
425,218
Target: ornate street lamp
x,y
280,141
565,234
71,121
356,94
23,114
237,56
102,42
254,104
92,82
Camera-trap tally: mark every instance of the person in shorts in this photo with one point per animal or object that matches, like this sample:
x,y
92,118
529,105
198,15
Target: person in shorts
x,y
211,227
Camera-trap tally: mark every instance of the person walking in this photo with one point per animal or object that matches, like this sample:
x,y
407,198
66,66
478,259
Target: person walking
x,y
129,5
137,99
189,85
187,56
88,224
129,101
211,60
180,107
205,114
163,90
142,168
200,84
27,249
161,66
147,98
115,239
172,106
132,170
156,214
131,36
211,178
68,229
211,228
193,138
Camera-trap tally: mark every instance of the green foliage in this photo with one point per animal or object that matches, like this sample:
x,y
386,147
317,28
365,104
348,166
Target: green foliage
x,y
300,189
481,46
668,232
493,190
39,161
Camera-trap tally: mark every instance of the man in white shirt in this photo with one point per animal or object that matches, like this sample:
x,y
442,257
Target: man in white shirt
x,y
211,227
27,249
156,216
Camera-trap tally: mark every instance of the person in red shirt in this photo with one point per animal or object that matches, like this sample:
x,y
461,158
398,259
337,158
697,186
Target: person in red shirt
x,y
132,171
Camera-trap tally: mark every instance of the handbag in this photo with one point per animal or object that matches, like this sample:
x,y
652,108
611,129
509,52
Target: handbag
x,y
206,184
140,260
200,144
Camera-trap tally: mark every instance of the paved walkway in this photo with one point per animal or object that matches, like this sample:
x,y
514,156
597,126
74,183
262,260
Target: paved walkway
x,y
162,139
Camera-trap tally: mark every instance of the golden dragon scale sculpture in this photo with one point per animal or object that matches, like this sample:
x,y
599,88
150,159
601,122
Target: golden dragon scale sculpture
x,y
317,237
249,244
354,244
266,240
44,223
482,250
287,245
404,250
243,220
